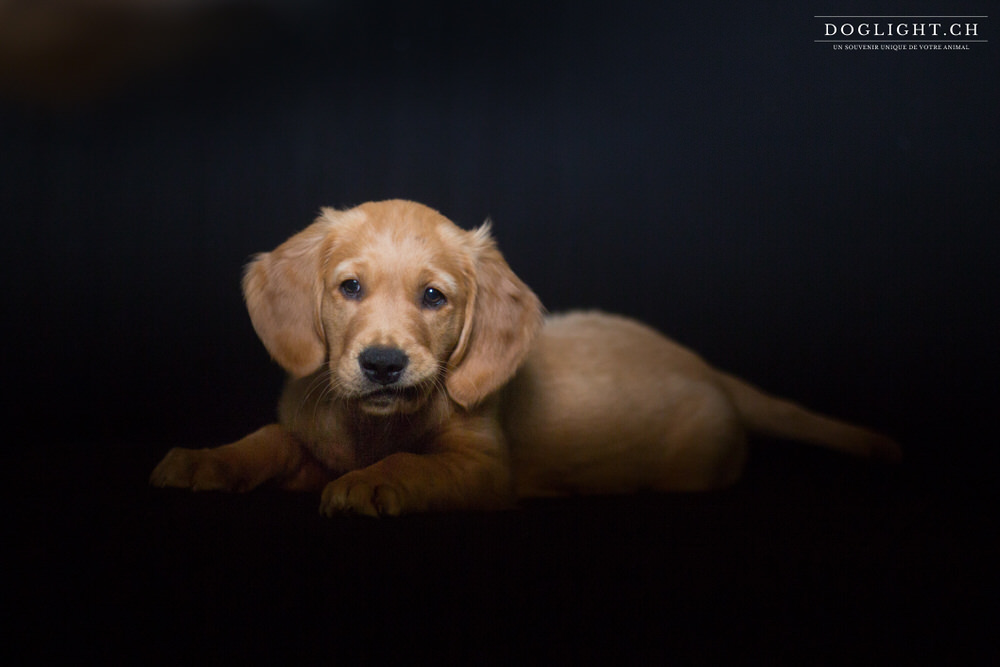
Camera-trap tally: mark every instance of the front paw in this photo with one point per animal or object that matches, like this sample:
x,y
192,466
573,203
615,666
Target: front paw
x,y
361,493
194,469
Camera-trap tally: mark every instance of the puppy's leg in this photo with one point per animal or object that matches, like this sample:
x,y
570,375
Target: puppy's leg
x,y
404,483
466,472
269,454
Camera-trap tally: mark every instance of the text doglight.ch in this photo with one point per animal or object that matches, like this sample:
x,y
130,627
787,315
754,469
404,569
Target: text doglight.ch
x,y
907,30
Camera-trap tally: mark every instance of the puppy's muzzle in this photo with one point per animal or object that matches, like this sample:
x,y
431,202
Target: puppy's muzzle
x,y
383,365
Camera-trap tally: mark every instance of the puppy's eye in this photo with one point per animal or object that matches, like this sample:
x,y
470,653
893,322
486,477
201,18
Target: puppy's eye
x,y
351,289
434,298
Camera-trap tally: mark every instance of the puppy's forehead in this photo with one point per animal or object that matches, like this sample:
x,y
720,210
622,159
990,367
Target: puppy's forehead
x,y
398,237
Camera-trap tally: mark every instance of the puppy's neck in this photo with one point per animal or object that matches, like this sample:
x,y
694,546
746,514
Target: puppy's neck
x,y
375,436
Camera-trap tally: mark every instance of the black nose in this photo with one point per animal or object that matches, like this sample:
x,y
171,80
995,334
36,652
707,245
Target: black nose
x,y
383,365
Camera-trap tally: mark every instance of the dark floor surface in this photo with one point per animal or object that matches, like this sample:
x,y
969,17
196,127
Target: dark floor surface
x,y
811,559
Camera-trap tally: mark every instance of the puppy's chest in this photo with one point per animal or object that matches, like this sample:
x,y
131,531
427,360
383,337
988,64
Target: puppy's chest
x,y
349,446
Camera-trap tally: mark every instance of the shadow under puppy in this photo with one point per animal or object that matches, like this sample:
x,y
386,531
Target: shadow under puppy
x,y
425,377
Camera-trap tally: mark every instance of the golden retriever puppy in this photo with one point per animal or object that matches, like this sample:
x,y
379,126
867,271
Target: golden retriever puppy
x,y
423,376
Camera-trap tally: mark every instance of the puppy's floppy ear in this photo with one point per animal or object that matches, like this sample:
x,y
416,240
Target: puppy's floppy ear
x,y
502,318
283,289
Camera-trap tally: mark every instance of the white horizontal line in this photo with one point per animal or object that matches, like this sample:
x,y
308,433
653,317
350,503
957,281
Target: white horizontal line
x,y
906,41
900,17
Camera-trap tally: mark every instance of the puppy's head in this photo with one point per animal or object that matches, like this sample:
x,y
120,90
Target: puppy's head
x,y
396,301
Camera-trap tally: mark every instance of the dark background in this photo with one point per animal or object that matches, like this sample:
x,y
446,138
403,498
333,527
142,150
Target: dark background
x,y
822,223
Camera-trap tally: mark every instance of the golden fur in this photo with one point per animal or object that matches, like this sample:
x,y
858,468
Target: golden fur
x,y
423,376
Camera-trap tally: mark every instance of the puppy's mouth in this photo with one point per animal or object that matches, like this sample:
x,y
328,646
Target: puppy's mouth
x,y
392,397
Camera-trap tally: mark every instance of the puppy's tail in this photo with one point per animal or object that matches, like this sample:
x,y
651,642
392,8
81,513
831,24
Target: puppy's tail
x,y
779,418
